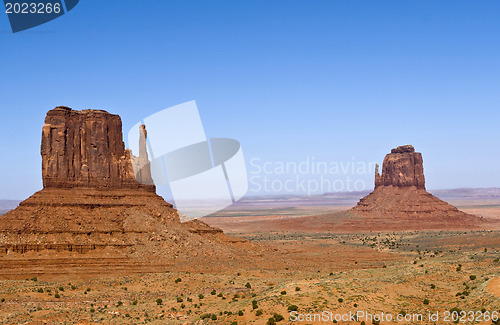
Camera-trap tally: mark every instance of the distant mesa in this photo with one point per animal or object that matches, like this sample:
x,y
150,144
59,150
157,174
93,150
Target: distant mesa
x,y
400,192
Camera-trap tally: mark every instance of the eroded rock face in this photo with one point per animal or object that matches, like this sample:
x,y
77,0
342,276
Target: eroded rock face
x,y
85,149
93,201
403,167
400,193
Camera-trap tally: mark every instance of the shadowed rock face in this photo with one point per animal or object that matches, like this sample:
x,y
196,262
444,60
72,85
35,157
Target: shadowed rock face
x,y
403,167
85,149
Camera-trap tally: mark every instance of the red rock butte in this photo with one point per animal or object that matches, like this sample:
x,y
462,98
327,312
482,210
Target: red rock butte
x,y
400,192
93,205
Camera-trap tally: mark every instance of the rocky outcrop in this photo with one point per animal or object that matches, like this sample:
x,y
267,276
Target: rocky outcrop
x,y
93,202
400,193
85,149
403,167
141,164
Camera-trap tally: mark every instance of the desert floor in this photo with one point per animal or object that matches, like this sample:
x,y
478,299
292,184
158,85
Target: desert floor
x,y
410,274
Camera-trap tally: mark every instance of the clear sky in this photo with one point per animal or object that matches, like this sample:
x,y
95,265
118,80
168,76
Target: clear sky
x,y
333,81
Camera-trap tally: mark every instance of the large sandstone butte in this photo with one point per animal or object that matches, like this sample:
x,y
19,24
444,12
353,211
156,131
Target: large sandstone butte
x,y
94,213
400,192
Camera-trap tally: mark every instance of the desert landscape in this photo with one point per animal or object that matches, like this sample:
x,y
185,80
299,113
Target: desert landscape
x,y
98,246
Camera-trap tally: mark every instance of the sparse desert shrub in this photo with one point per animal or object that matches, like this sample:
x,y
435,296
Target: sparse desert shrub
x,y
73,287
271,321
119,303
297,288
213,292
92,310
472,277
34,279
278,317
134,302
179,299
496,260
234,323
61,288
183,306
201,296
2,300
40,290
340,300
190,299
426,301
254,304
293,308
159,301
178,280
88,289
240,313
459,267
283,292
248,285
258,312
433,286
213,317
355,305
38,308
57,295
219,295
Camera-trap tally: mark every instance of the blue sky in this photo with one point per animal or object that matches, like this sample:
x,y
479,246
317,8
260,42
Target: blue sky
x,y
338,81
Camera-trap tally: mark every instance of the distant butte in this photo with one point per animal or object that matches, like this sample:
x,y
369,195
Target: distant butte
x,y
400,192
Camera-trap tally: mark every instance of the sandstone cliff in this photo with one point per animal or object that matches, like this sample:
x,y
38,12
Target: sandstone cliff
x,y
85,149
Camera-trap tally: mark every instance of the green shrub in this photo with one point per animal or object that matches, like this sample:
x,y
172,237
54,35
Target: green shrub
x,y
293,308
426,301
472,277
254,304
178,280
278,317
340,300
61,288
57,295
213,292
271,321
159,301
240,313
283,292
